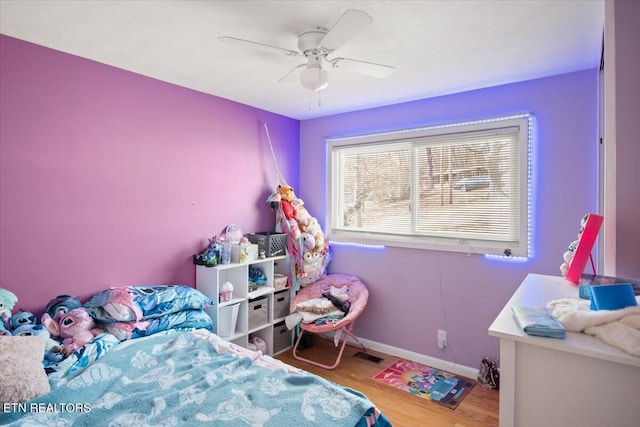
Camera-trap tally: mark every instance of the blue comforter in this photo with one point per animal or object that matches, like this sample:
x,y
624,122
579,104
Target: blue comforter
x,y
189,378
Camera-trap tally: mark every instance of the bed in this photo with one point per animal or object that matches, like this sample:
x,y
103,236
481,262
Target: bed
x,y
183,376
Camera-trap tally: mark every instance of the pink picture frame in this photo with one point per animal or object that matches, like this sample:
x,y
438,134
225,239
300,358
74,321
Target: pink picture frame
x,y
586,241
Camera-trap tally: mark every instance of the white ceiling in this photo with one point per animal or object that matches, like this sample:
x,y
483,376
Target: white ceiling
x,y
437,47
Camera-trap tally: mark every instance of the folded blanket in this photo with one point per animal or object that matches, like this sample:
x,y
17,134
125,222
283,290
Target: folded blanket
x,y
311,310
618,328
315,306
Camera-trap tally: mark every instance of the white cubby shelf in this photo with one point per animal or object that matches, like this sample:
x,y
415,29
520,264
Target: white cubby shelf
x,y
257,309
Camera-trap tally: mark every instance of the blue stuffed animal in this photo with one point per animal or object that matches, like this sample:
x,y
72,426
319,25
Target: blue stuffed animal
x,y
21,318
61,304
52,350
7,301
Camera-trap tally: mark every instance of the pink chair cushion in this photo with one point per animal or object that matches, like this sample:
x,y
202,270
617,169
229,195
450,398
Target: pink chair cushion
x,y
358,296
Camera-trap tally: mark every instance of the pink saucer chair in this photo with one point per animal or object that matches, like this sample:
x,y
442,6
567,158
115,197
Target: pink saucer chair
x,y
358,297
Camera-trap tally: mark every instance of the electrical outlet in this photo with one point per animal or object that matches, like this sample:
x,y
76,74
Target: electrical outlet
x,y
442,338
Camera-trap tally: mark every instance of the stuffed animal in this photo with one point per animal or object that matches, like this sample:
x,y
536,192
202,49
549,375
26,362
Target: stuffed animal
x,y
308,240
310,248
21,318
294,229
568,257
7,301
52,350
312,263
209,255
298,205
571,251
76,328
286,193
311,226
320,240
288,210
302,215
274,200
286,196
61,304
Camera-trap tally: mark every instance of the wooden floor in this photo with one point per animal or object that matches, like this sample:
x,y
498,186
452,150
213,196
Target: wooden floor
x,y
479,408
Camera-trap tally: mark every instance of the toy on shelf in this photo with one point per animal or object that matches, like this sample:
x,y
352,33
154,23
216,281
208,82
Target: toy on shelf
x,y
209,255
256,279
226,292
240,251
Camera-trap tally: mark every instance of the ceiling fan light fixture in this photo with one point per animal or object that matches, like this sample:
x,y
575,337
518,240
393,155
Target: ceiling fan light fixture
x,y
314,78
315,45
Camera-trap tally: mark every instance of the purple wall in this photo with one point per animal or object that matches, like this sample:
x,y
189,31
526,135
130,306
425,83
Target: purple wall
x,y
627,125
415,292
110,178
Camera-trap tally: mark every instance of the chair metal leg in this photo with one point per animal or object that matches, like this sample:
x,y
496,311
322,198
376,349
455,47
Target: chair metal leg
x,y
347,330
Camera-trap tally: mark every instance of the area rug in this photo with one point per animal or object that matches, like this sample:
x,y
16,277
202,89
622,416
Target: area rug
x,y
426,382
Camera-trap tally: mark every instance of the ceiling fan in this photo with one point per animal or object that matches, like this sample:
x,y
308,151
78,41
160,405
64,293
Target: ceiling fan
x,y
316,45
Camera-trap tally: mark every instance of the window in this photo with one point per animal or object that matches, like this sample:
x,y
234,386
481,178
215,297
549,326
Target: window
x,y
459,187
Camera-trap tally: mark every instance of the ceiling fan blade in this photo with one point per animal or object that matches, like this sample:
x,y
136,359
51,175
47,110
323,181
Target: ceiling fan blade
x,y
351,23
363,67
256,45
291,76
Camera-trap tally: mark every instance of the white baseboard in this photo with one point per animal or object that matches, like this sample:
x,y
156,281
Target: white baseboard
x,y
444,365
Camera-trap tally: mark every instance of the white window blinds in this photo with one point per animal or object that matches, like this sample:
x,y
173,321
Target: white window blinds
x,y
461,187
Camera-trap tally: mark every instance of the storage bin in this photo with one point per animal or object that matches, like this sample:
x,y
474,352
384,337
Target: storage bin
x,y
227,319
279,281
253,252
281,304
258,312
271,243
250,253
281,337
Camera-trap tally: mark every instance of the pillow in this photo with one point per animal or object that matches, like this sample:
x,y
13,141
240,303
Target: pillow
x,y
195,319
137,303
21,369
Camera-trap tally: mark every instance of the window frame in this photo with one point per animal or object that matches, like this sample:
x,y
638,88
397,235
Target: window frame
x,y
420,137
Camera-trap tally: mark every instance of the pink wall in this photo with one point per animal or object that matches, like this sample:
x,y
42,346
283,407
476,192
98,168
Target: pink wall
x,y
415,292
110,178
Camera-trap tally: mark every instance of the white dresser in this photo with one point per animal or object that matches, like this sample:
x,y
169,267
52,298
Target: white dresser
x,y
577,381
